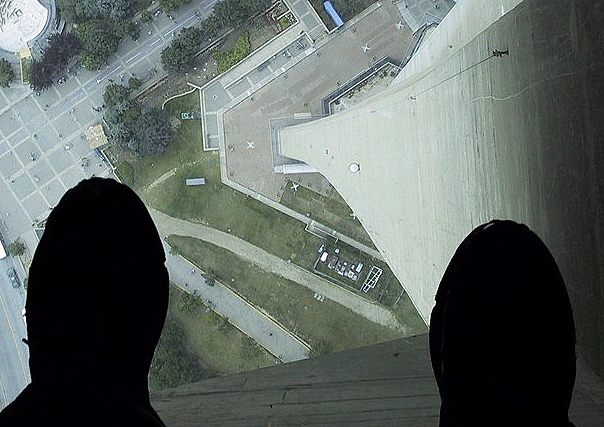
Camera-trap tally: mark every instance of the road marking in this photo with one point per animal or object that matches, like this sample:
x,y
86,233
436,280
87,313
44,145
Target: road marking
x,y
14,338
156,41
209,5
74,99
128,60
179,25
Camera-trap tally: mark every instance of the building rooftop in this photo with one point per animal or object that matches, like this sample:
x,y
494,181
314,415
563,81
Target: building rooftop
x,y
462,137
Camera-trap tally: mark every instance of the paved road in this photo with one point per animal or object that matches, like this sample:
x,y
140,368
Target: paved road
x,y
44,125
168,225
14,355
277,340
41,151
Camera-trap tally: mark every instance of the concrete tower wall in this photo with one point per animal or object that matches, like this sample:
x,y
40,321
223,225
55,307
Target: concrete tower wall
x,y
462,138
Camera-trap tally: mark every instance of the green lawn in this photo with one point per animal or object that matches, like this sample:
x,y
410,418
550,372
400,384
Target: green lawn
x,y
214,204
185,148
397,300
26,66
331,211
326,324
218,344
223,208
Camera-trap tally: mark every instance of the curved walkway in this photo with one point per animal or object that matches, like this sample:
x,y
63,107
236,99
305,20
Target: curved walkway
x,y
168,225
265,331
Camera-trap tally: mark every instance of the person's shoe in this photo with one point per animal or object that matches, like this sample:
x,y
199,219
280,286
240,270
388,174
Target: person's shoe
x,y
502,335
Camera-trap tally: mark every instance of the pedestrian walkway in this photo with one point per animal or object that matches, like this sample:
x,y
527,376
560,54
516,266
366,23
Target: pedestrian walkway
x,y
257,70
168,225
245,317
300,217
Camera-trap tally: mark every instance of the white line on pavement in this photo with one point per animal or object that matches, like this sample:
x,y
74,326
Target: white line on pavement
x,y
131,58
209,5
156,41
74,99
179,25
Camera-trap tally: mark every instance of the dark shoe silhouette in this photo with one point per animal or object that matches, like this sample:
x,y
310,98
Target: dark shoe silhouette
x,y
502,336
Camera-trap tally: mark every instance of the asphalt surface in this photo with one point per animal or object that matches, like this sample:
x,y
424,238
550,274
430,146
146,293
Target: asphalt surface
x,y
14,355
266,332
168,225
51,126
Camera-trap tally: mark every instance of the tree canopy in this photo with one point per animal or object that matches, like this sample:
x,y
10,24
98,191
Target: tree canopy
x,y
134,127
79,11
173,363
17,248
232,13
178,56
60,50
170,5
99,41
7,74
154,132
101,24
114,94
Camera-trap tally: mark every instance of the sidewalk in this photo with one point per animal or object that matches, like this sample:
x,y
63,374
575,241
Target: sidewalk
x,y
168,225
245,317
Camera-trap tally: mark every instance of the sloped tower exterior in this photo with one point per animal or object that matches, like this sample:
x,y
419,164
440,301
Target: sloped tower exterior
x,y
496,116
460,137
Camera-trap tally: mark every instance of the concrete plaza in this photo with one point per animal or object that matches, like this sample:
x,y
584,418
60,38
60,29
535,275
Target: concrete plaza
x,y
300,90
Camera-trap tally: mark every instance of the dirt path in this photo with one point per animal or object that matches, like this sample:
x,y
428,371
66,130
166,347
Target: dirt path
x,y
168,225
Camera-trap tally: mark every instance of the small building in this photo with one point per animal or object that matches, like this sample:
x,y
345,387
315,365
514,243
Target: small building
x,y
196,181
95,135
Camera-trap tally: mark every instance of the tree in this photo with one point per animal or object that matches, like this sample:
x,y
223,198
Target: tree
x,y
173,364
211,26
131,114
175,58
153,132
146,16
229,13
40,77
60,50
210,277
191,36
114,94
121,135
6,73
134,83
133,30
99,41
178,56
232,13
17,248
79,11
170,5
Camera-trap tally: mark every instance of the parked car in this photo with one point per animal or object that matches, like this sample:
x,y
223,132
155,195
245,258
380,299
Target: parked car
x,y
12,276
